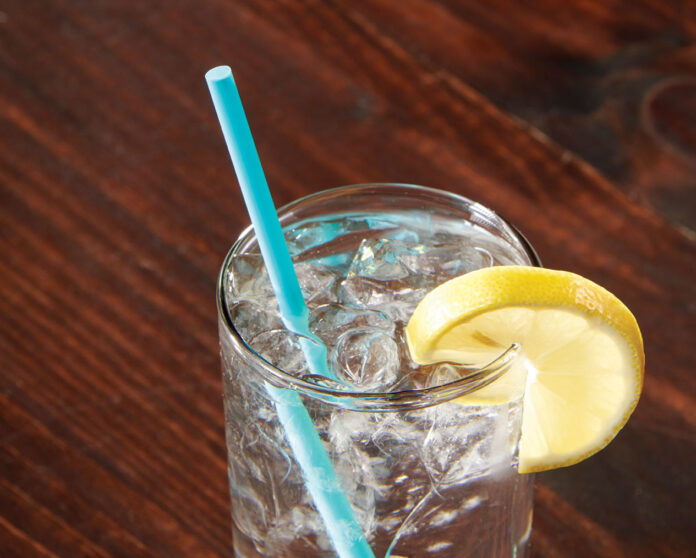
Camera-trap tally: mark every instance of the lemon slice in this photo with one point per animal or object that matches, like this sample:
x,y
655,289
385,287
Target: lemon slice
x,y
580,370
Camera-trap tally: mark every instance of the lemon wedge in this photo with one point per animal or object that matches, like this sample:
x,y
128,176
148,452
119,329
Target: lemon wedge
x,y
580,370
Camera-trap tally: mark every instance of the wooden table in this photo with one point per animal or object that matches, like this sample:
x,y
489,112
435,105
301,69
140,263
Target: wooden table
x,y
575,120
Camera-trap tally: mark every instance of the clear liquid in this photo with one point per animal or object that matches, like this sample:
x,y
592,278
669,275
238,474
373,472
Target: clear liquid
x,y
439,481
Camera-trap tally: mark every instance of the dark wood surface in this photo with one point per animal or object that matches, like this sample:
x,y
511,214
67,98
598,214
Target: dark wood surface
x,y
574,120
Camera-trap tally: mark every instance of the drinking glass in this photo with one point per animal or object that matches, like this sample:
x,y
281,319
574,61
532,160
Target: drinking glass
x,y
425,473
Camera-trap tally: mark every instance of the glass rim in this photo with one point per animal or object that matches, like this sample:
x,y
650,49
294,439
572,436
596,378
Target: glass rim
x,y
375,401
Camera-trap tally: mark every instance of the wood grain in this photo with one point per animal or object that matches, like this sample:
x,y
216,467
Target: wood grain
x,y
117,203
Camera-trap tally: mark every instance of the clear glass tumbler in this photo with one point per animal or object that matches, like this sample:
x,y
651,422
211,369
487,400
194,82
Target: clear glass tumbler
x,y
425,474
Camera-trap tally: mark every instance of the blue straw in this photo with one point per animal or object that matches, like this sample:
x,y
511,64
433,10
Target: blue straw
x,y
309,451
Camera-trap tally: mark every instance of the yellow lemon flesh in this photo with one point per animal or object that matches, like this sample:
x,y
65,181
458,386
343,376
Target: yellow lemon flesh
x,y
580,370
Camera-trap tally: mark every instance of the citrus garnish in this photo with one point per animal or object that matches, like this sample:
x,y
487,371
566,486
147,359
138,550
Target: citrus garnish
x,y
580,370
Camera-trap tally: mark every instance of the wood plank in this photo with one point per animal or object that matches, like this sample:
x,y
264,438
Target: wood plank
x,y
117,204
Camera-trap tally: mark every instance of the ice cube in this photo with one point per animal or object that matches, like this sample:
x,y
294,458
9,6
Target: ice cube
x,y
388,437
439,374
383,258
348,427
395,298
464,442
305,236
248,279
443,261
251,318
444,373
298,521
379,259
358,470
330,321
380,278
309,235
284,349
424,265
317,283
367,358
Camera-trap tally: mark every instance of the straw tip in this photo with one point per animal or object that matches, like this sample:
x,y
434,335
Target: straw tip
x,y
218,74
